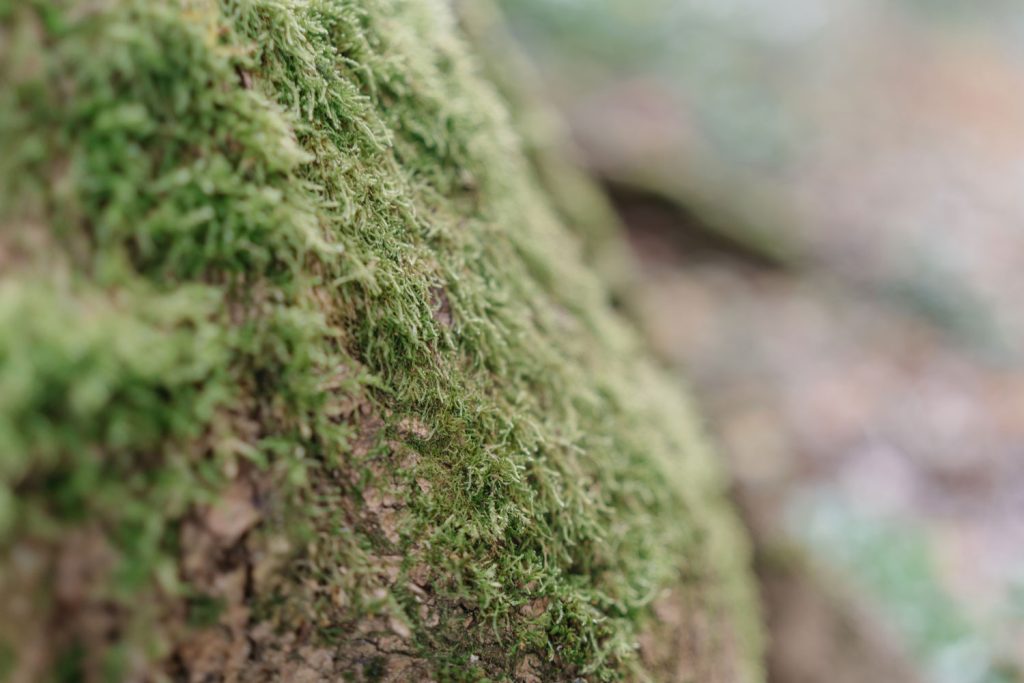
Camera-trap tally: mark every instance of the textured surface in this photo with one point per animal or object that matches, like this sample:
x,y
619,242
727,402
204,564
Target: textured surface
x,y
302,378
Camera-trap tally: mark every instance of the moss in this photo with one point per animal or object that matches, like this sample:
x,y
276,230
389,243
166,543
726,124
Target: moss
x,y
575,197
288,321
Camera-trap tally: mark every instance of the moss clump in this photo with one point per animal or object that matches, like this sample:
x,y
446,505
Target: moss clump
x,y
288,327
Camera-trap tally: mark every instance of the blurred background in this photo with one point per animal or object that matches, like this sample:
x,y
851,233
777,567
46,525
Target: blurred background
x,y
826,198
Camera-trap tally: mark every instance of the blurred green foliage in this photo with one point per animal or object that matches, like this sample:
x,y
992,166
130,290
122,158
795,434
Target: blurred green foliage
x,y
895,564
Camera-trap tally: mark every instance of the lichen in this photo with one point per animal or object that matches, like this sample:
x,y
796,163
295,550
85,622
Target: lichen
x,y
292,338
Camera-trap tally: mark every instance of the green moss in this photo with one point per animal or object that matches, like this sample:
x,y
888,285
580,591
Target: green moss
x,y
274,208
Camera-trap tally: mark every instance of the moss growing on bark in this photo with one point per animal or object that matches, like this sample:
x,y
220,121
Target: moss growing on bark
x,y
302,378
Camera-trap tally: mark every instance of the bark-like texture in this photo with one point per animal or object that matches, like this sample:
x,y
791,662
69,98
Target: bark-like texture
x,y
303,378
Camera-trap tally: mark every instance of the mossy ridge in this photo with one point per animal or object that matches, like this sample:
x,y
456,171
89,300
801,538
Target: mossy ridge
x,y
337,179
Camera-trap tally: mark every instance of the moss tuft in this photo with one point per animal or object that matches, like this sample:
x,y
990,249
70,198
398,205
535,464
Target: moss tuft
x,y
287,322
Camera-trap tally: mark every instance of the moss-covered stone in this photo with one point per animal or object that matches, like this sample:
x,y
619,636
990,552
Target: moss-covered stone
x,y
303,378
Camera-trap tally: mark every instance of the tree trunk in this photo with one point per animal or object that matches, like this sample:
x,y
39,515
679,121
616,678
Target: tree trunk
x,y
303,378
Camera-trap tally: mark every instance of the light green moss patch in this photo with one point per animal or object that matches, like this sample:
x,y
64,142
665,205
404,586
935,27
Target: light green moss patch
x,y
297,245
